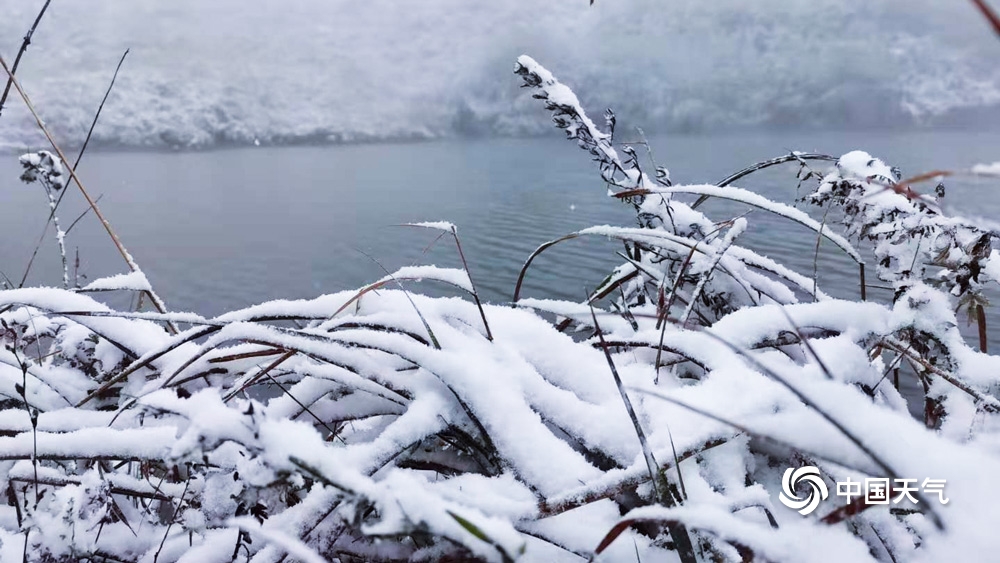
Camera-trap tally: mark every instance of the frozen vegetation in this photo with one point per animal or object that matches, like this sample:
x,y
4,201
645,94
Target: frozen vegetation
x,y
659,418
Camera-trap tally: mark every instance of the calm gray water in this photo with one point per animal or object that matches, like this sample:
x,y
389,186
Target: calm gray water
x,y
222,229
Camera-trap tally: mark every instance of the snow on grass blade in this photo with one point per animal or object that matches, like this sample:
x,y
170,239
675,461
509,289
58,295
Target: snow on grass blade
x,y
437,225
453,230
749,198
649,237
133,281
457,278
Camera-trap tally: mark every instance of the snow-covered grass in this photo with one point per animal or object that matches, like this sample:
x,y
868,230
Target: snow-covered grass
x,y
654,421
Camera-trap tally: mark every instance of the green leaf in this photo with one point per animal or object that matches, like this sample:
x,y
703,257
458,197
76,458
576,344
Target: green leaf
x,y
471,528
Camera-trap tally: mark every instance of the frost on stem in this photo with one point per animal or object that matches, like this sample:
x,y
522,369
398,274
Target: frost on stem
x,y
47,169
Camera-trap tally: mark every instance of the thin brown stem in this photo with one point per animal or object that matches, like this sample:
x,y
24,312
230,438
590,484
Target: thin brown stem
x,y
981,317
475,294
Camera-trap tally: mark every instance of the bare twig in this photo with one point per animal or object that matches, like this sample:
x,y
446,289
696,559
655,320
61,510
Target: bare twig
x,y
97,115
93,123
427,326
76,165
461,255
861,276
173,517
475,294
82,215
981,317
20,53
819,240
986,402
989,14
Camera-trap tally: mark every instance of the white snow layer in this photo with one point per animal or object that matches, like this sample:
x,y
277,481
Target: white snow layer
x,y
135,281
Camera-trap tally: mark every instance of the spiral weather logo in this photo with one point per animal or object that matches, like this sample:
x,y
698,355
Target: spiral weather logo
x,y
791,479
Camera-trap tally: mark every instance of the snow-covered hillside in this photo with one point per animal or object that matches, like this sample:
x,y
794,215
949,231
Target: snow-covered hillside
x,y
204,73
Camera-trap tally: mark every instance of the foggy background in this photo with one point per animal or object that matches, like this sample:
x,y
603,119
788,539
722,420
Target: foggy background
x,y
231,72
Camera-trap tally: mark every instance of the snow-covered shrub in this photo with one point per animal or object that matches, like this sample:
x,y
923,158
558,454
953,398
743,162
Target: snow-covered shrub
x,y
662,419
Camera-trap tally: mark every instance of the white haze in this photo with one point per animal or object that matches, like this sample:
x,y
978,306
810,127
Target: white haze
x,y
207,73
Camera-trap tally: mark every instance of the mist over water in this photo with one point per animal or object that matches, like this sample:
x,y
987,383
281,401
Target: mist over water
x,y
228,72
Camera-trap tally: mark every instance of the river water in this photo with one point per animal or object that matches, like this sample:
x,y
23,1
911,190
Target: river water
x,y
222,229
